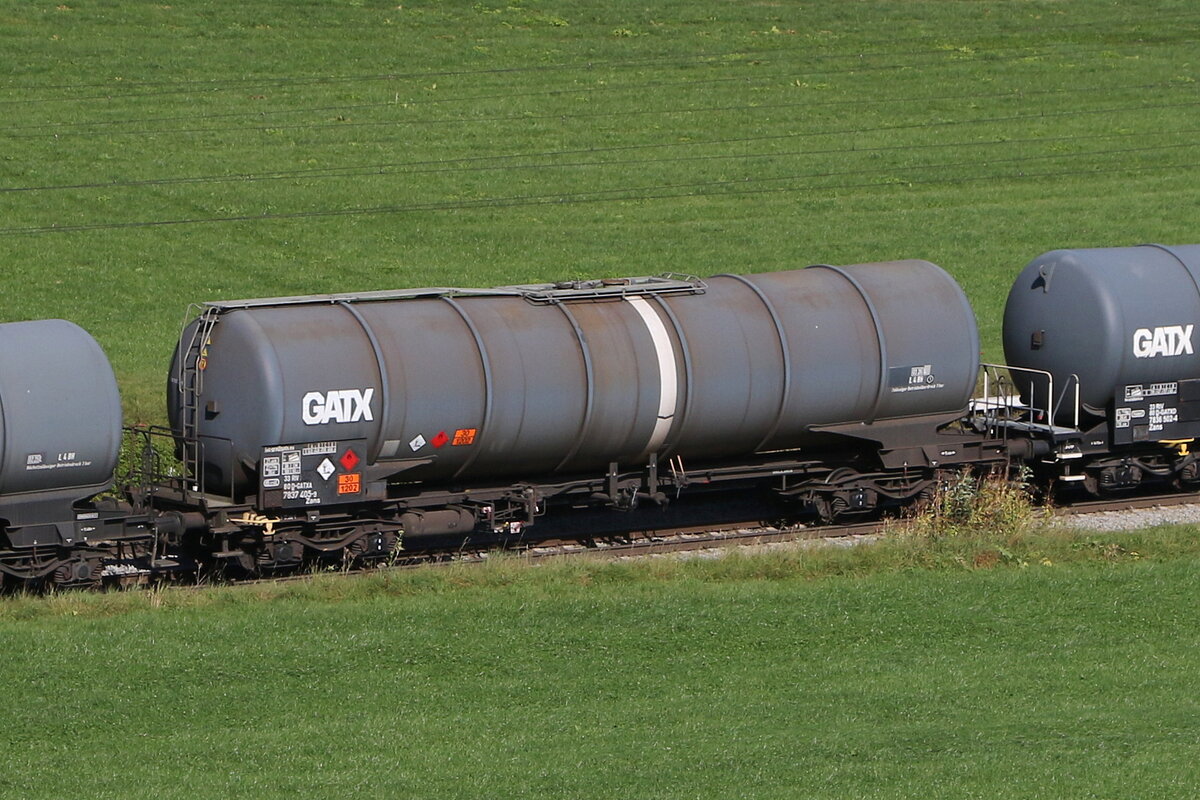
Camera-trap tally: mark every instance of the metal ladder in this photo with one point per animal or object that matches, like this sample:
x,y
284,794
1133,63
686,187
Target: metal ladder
x,y
190,381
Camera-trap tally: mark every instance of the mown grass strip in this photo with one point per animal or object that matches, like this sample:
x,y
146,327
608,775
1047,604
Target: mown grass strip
x,y
895,670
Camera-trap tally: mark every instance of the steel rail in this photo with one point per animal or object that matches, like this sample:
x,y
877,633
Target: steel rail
x,y
673,539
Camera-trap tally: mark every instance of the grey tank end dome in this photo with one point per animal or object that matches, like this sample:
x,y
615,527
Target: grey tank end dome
x,y
1111,316
60,410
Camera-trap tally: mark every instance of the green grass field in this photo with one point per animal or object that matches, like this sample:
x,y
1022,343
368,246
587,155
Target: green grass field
x,y
895,671
156,155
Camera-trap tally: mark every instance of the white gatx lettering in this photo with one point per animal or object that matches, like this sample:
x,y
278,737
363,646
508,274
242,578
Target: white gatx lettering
x,y
1165,340
337,405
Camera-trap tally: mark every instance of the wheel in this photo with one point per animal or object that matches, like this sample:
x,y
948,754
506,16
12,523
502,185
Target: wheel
x,y
77,573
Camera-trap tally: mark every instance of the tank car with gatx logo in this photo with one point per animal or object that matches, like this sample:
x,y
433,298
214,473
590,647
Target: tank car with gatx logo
x,y
447,410
1103,343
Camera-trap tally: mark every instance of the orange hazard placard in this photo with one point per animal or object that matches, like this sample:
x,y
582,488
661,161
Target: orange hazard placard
x,y
464,436
350,483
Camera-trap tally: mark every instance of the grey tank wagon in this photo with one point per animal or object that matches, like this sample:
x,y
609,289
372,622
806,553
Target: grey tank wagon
x,y
444,409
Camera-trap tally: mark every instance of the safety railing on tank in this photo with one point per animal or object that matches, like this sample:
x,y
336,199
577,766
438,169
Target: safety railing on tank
x,y
610,288
538,293
1001,394
155,463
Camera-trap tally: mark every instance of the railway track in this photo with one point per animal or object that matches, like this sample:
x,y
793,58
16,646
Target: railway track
x,y
677,539
638,543
1132,503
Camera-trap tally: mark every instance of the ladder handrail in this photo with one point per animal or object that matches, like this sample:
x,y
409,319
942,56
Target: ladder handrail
x,y
190,382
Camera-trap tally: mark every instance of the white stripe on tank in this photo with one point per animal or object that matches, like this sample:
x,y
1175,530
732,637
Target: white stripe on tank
x,y
668,376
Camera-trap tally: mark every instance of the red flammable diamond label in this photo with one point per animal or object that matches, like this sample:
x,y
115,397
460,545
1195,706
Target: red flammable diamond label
x,y
440,439
348,459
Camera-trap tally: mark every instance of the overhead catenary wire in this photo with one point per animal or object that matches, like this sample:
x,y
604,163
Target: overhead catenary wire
x,y
626,114
942,36
849,139
471,163
714,188
754,57
738,140
61,128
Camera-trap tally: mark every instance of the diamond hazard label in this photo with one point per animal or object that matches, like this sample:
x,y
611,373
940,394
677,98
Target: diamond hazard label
x,y
326,468
348,459
417,443
440,439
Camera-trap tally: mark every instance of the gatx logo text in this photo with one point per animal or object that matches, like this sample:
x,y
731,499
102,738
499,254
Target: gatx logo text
x,y
338,405
1167,340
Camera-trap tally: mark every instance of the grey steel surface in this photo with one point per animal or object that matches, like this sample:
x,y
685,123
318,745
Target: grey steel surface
x,y
473,385
60,411
1097,312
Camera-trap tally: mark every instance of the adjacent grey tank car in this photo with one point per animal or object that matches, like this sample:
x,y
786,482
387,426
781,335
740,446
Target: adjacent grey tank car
x,y
459,386
1115,317
60,418
60,435
1113,331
